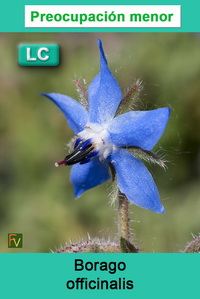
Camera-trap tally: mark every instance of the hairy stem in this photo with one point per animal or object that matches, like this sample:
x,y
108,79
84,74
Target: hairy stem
x,y
123,225
123,219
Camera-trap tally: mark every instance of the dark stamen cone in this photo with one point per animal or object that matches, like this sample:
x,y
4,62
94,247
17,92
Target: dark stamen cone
x,y
83,152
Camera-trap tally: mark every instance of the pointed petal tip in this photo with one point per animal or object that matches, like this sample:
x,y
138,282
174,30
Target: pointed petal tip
x,y
161,210
99,42
78,192
42,94
103,60
47,95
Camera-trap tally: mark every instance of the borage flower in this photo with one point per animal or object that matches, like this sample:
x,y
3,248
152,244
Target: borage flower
x,y
103,139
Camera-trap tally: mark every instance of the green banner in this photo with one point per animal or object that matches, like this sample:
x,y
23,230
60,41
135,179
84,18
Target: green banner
x,y
54,276
13,16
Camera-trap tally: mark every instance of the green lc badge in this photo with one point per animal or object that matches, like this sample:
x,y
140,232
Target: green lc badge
x,y
38,54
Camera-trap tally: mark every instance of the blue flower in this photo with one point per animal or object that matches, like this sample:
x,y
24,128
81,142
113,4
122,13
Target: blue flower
x,y
102,139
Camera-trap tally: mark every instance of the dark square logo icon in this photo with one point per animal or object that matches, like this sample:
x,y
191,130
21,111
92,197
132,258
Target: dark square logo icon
x,y
15,240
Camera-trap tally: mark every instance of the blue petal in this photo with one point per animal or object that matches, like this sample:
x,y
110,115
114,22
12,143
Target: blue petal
x,y
87,176
75,113
139,128
135,181
104,93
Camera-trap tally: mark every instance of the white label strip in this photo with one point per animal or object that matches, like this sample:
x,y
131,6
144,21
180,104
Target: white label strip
x,y
102,16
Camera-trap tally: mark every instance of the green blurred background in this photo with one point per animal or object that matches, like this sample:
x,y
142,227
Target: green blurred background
x,y
36,198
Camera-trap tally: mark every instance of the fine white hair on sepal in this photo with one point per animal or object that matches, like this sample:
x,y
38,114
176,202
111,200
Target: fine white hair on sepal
x,y
82,91
148,156
113,194
130,98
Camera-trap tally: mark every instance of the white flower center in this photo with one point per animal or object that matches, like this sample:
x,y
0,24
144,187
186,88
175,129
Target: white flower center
x,y
99,138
